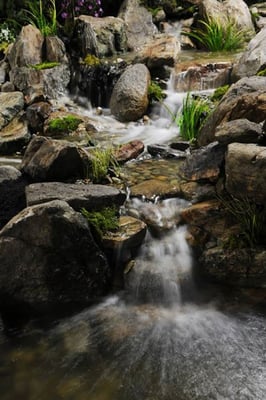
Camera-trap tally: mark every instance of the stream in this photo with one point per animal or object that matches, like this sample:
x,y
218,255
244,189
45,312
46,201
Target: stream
x,y
166,336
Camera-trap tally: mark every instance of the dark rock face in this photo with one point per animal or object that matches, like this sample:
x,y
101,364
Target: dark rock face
x,y
48,259
12,193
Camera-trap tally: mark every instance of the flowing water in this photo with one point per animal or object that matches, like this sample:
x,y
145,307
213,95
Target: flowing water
x,y
159,339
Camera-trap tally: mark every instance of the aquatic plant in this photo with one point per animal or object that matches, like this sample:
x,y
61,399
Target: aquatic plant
x,y
219,35
43,15
44,65
103,161
194,112
66,124
102,221
250,216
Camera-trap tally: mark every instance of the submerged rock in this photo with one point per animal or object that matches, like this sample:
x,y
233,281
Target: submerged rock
x,y
49,259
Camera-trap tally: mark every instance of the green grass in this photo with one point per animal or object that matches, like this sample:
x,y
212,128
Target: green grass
x,y
194,112
219,35
155,92
44,19
103,162
102,221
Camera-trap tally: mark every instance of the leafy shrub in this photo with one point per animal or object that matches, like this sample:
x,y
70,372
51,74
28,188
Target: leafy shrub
x,y
219,35
194,112
102,221
74,8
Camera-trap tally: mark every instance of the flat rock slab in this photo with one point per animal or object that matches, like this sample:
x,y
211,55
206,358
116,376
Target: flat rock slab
x,y
76,195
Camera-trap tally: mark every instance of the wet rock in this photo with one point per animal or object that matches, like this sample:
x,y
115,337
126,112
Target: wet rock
x,y
152,188
165,151
11,104
91,197
197,192
253,59
12,193
129,99
52,160
102,37
49,259
14,136
139,25
239,130
129,151
245,99
245,167
36,114
204,163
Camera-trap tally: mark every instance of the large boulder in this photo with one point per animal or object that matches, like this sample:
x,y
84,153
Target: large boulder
x,y
253,59
11,104
52,160
129,99
245,169
12,193
139,25
91,197
245,99
99,36
238,130
48,259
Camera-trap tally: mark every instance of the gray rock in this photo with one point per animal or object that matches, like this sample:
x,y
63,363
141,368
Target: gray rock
x,y
253,59
14,136
245,99
49,259
52,160
91,197
129,99
238,130
245,169
10,105
139,25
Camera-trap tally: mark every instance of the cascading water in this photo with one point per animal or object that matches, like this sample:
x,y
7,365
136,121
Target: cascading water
x,y
151,342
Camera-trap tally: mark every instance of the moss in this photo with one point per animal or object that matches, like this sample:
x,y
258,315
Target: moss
x,y
102,221
44,65
91,60
65,124
4,46
219,93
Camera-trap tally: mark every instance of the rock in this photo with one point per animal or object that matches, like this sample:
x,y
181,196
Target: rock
x,y
204,163
49,259
52,160
102,37
160,51
233,9
8,87
91,197
238,130
27,49
241,267
55,50
197,192
129,99
245,169
130,234
36,114
165,151
11,104
139,25
253,59
14,136
129,151
152,188
245,99
12,193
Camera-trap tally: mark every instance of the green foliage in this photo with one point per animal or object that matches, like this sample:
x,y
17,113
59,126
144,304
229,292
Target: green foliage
x,y
102,221
219,93
155,92
219,35
7,33
43,15
250,216
91,60
103,161
194,112
45,65
261,72
65,124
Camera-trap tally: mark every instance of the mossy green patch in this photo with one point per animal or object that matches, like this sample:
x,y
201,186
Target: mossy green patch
x,y
44,65
102,221
219,93
91,60
64,124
